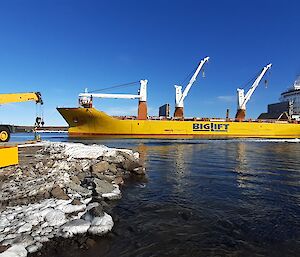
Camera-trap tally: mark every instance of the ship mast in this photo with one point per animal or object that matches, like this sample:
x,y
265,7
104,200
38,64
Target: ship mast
x,y
86,99
179,97
243,99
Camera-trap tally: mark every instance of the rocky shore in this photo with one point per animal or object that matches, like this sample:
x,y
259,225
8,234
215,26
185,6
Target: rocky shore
x,y
60,190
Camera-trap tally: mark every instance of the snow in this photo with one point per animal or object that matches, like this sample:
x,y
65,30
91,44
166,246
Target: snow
x,y
101,225
55,218
74,227
15,251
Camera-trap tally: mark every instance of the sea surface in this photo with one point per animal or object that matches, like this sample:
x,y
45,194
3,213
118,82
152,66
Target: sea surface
x,y
205,198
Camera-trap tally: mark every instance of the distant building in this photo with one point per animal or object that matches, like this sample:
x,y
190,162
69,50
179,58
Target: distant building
x,y
288,107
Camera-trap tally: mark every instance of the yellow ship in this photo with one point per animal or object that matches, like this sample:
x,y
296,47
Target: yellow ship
x,y
88,121
92,122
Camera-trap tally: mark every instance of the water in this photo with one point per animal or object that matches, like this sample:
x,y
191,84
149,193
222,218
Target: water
x,y
207,198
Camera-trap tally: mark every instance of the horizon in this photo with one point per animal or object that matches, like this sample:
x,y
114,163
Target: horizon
x,y
59,48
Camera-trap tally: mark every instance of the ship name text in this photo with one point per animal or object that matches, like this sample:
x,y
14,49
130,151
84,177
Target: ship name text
x,y
217,127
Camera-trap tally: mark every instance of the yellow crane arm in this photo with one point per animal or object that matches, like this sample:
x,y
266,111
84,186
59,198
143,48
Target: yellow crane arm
x,y
21,97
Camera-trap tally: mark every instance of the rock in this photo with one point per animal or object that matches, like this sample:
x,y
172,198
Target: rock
x,y
32,248
46,231
100,167
39,165
25,228
139,171
79,189
114,195
96,211
3,248
75,227
103,186
82,175
90,242
15,251
114,159
44,194
108,178
101,225
76,202
43,239
129,163
118,181
75,179
113,168
55,218
70,208
58,193
24,240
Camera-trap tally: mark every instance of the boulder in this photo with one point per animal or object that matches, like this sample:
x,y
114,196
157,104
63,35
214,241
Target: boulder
x,y
113,168
15,251
75,227
103,186
101,225
58,193
55,218
100,167
79,189
118,181
75,179
130,163
96,211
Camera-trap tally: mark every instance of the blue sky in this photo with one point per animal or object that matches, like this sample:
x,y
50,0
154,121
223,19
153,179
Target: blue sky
x,y
59,47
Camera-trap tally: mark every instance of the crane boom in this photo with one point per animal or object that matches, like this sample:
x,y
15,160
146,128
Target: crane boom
x,y
243,99
86,97
114,96
21,97
181,96
5,130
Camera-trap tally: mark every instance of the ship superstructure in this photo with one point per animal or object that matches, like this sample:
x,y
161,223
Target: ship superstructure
x,y
289,106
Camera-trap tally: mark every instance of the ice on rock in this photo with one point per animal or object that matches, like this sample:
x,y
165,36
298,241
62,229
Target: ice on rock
x,y
24,240
34,247
55,218
70,208
15,251
81,151
115,194
101,225
25,228
75,227
4,222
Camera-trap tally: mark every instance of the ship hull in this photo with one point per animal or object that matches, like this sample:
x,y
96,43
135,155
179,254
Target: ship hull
x,y
89,122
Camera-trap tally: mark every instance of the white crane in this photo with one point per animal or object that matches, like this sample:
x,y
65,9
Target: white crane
x,y
86,98
243,99
179,97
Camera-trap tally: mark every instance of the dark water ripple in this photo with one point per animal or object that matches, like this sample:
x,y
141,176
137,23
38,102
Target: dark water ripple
x,y
209,198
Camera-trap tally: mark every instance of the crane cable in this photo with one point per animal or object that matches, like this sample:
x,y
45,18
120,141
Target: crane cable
x,y
116,86
193,72
251,80
39,115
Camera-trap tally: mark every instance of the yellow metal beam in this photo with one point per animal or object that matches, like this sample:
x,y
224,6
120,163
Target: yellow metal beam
x,y
20,97
8,156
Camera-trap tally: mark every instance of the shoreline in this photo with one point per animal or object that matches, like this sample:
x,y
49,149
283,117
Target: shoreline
x,y
61,190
